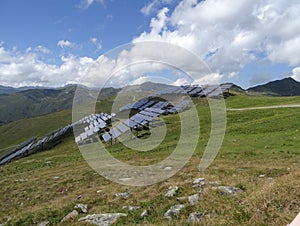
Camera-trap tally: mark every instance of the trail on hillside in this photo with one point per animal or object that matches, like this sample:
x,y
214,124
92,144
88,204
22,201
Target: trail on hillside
x,y
265,107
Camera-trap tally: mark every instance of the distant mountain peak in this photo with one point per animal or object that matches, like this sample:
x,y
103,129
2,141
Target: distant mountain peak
x,y
283,87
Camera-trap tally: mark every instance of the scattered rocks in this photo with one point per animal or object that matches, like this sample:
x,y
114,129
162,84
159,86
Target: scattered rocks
x,y
193,199
229,191
171,191
81,208
123,195
145,213
43,223
174,211
131,208
195,218
198,182
70,216
105,219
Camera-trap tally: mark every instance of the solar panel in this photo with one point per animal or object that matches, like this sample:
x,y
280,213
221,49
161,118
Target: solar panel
x,y
130,123
137,118
115,133
209,89
145,117
155,110
106,137
83,136
77,139
122,127
148,113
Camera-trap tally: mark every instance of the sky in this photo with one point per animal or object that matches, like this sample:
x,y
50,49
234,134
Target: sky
x,y
52,43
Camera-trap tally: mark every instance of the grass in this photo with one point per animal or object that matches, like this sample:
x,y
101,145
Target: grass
x,y
47,185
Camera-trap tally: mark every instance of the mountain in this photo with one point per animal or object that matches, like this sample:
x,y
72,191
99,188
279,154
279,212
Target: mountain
x,y
10,90
283,87
36,102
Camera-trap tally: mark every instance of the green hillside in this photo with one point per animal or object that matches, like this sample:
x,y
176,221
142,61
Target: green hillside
x,y
37,102
260,155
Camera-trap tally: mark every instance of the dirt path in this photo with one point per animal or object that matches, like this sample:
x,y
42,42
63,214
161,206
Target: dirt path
x,y
265,107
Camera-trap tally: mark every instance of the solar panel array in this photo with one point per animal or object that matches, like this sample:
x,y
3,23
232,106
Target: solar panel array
x,y
30,147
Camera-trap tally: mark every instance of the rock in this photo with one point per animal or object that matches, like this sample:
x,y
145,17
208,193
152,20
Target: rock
x,y
195,218
105,219
229,191
70,216
131,208
262,176
182,199
123,195
145,213
173,211
168,168
171,191
43,223
56,177
81,208
193,199
99,191
198,182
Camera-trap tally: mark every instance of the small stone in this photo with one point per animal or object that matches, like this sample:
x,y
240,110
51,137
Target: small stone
x,y
131,208
182,199
198,182
81,208
195,218
70,216
229,191
105,219
145,213
262,176
124,179
174,211
171,191
99,191
123,195
168,168
193,199
56,177
43,223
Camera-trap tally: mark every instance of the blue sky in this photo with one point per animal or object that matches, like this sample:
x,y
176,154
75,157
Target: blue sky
x,y
54,42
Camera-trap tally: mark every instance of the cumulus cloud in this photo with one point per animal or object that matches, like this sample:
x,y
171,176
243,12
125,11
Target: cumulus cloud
x,y
153,5
64,43
296,73
230,34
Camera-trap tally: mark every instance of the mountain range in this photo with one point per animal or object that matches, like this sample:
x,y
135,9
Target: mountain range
x,y
26,102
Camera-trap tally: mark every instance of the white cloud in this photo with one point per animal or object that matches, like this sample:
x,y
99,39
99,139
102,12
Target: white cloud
x,y
153,5
296,74
85,4
96,42
65,43
228,34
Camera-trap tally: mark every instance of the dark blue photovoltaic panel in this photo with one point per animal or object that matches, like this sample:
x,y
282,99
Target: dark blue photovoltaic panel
x,y
122,127
148,113
155,110
145,117
130,123
106,137
115,133
137,118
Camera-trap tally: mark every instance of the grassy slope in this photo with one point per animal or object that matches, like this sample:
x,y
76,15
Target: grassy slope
x,y
256,142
